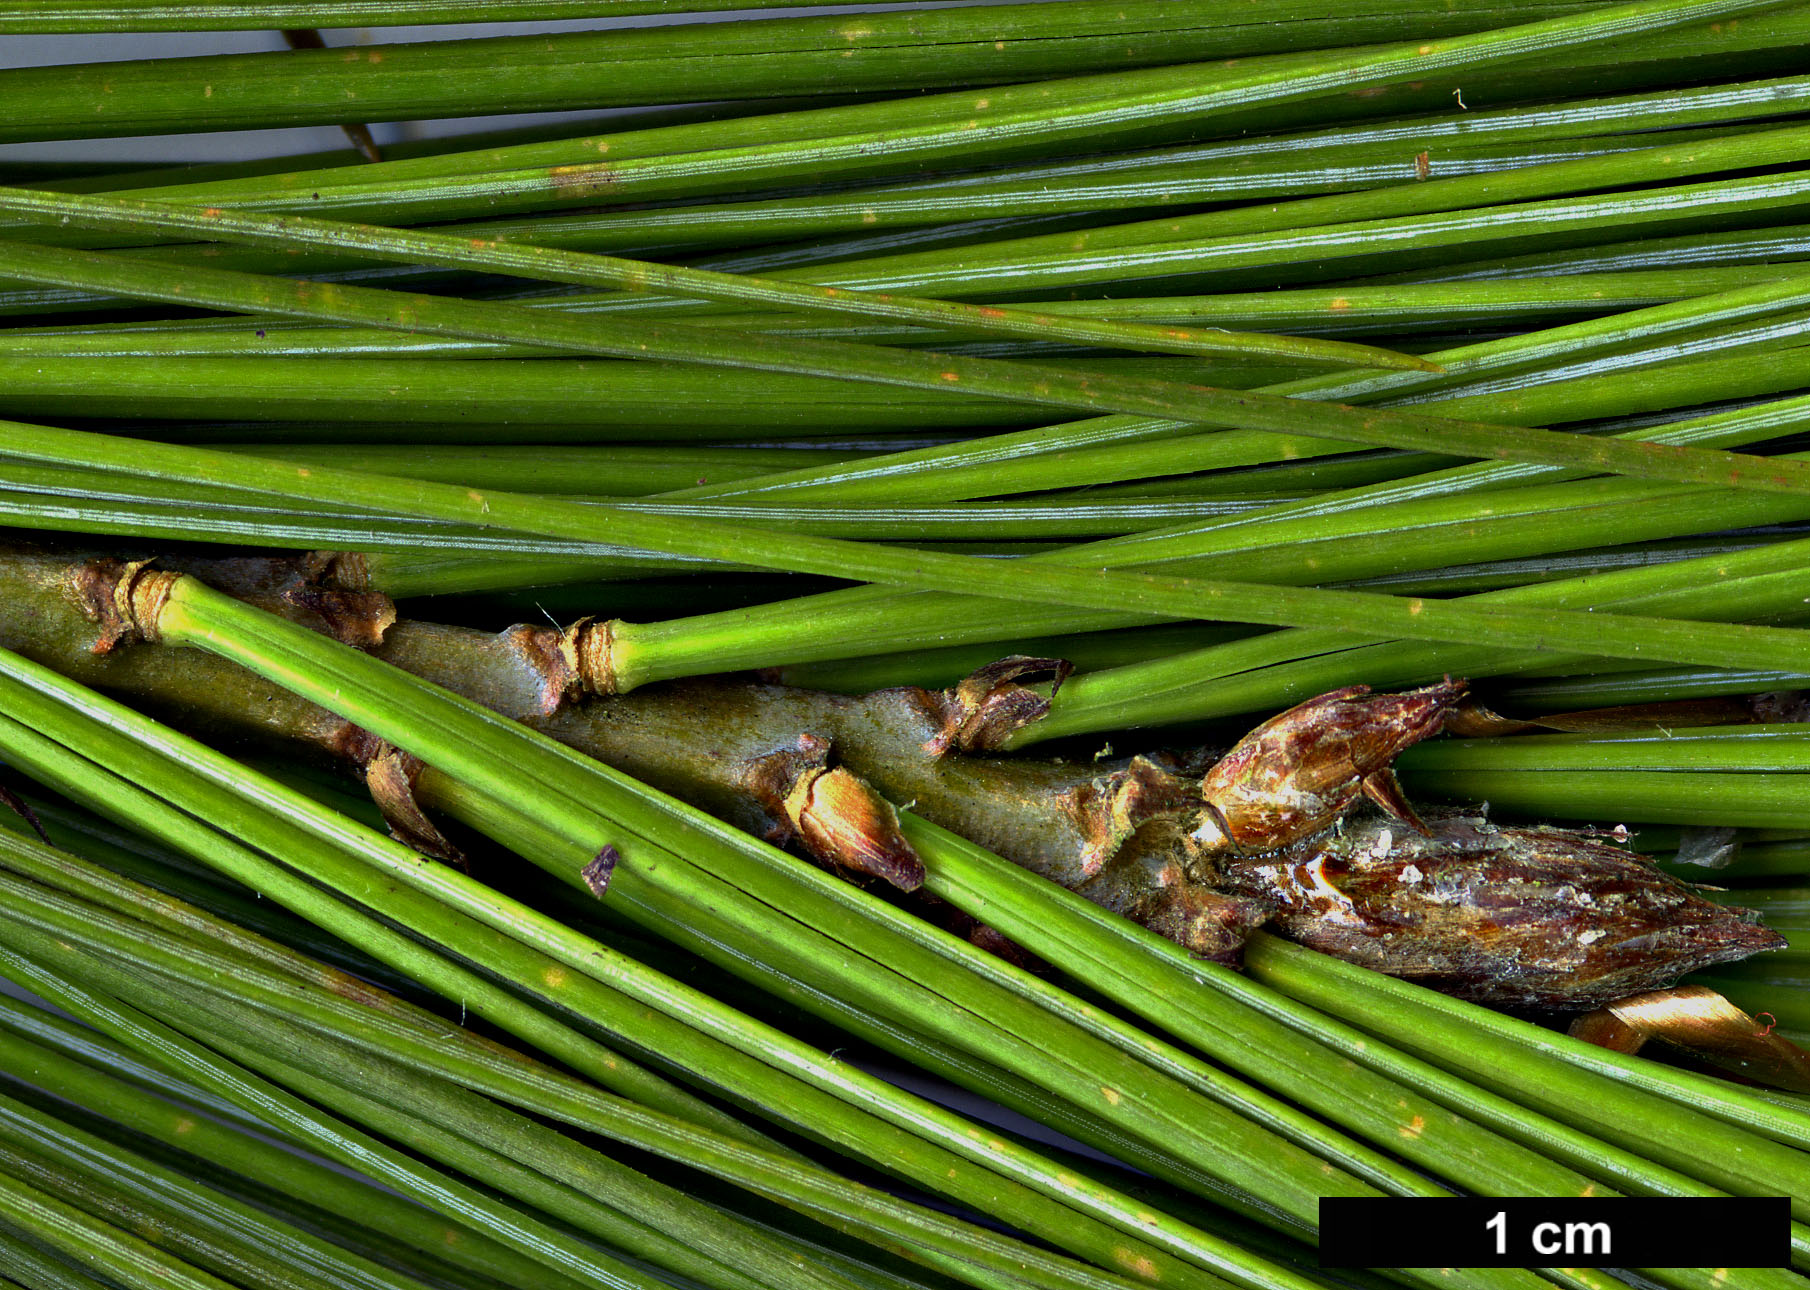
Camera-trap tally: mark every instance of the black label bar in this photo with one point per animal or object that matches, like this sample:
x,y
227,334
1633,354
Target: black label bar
x,y
1633,1232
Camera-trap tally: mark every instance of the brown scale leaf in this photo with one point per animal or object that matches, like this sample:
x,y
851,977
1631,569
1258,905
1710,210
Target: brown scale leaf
x,y
1110,809
597,874
390,775
1701,1022
987,707
834,814
355,618
123,597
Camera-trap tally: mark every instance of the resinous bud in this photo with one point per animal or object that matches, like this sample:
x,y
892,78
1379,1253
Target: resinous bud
x,y
1298,772
1539,918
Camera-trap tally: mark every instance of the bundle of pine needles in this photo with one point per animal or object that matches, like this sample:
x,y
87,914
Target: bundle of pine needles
x,y
640,501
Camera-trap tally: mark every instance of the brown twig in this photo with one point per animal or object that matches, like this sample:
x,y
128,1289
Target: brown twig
x,y
1524,917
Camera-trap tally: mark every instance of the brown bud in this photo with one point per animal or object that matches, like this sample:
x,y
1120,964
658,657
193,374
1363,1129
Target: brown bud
x,y
1296,773
1513,917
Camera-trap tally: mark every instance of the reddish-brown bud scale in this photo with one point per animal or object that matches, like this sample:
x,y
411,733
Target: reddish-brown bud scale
x,y
1514,917
1296,773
